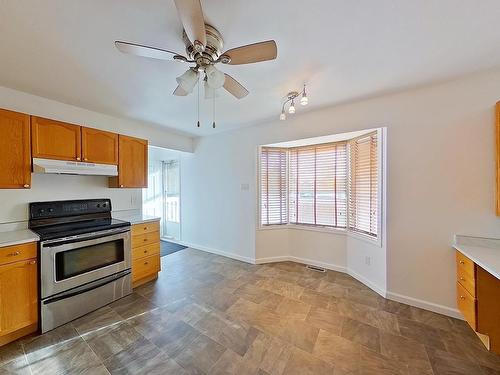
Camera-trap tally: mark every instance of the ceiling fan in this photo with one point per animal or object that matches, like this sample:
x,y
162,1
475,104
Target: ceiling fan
x,y
204,49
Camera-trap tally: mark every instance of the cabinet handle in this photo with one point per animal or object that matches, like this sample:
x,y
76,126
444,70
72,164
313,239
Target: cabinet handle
x,y
145,239
145,251
462,278
15,254
32,262
26,186
145,263
462,262
145,228
85,159
121,185
78,159
462,297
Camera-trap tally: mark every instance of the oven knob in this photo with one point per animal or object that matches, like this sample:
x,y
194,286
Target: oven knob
x,y
98,205
41,211
51,210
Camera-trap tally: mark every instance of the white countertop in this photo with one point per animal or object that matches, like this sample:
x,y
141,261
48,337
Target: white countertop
x,y
134,217
485,252
17,237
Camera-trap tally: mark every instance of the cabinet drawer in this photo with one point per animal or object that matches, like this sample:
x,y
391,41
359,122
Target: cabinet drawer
x,y
466,280
145,267
15,253
467,305
145,239
464,264
138,229
144,251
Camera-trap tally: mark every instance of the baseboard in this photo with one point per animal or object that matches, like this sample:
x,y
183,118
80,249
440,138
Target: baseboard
x,y
368,283
440,309
217,252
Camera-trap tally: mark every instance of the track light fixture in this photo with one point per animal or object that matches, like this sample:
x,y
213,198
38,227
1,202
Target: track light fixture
x,y
290,101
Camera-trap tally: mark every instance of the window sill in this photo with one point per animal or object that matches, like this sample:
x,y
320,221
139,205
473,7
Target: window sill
x,y
365,238
304,227
372,241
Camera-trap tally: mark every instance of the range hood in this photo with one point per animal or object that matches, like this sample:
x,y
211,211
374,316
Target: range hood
x,y
73,167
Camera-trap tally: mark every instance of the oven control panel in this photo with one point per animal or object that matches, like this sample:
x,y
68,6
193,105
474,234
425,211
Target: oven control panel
x,y
46,210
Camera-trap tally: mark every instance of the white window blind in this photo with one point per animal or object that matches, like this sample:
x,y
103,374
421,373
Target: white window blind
x,y
363,185
318,185
273,186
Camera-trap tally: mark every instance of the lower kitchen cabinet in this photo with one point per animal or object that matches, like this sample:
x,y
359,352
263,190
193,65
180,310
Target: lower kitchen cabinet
x,y
18,291
145,252
478,300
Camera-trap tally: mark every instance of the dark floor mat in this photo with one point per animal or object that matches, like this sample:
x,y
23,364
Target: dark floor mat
x,y
168,247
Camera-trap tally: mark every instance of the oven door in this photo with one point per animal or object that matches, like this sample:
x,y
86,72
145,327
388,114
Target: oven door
x,y
70,262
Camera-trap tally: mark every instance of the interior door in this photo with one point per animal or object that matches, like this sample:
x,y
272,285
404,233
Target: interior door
x,y
15,151
99,146
52,139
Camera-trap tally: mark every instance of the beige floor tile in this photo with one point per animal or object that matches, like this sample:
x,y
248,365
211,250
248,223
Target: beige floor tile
x,y
361,333
404,350
290,308
303,363
325,319
283,288
300,334
338,351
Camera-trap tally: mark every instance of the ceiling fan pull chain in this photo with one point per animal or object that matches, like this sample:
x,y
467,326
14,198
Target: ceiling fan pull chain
x,y
198,123
213,124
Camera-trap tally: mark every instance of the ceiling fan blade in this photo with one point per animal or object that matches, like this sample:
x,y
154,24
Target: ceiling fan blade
x,y
144,51
179,91
234,87
191,16
252,53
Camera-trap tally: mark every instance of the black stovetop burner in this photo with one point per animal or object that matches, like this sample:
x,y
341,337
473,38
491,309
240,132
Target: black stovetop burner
x,y
60,219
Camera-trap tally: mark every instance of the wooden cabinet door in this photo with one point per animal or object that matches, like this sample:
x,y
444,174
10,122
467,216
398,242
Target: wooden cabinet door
x,y
133,163
15,151
52,139
99,146
18,296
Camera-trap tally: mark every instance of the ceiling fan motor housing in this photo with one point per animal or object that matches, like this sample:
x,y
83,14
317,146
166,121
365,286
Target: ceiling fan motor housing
x,y
212,50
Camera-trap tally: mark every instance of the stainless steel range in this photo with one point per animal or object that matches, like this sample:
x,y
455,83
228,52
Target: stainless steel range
x,y
85,258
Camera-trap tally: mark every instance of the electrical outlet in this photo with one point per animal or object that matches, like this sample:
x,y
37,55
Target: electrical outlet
x,y
245,187
368,260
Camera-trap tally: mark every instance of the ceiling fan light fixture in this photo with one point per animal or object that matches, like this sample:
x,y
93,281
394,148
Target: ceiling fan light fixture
x,y
291,109
215,78
187,81
210,92
304,100
283,115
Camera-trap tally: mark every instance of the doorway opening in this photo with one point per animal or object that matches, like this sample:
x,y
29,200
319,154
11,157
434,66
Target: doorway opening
x,y
162,197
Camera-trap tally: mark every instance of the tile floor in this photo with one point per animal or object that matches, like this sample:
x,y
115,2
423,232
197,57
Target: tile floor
x,y
208,314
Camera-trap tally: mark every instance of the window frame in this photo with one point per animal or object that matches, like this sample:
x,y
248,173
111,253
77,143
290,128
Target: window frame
x,y
381,160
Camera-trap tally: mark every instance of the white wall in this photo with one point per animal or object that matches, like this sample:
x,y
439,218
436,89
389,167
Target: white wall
x,y
14,202
441,181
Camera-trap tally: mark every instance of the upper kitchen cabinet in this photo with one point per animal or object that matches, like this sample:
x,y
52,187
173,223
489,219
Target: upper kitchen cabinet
x,y
52,139
132,163
99,146
15,152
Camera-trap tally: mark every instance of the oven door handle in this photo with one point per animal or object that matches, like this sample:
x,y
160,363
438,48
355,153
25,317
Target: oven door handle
x,y
75,243
82,238
87,287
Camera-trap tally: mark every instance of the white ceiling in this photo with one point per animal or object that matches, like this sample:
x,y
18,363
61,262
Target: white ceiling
x,y
344,50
